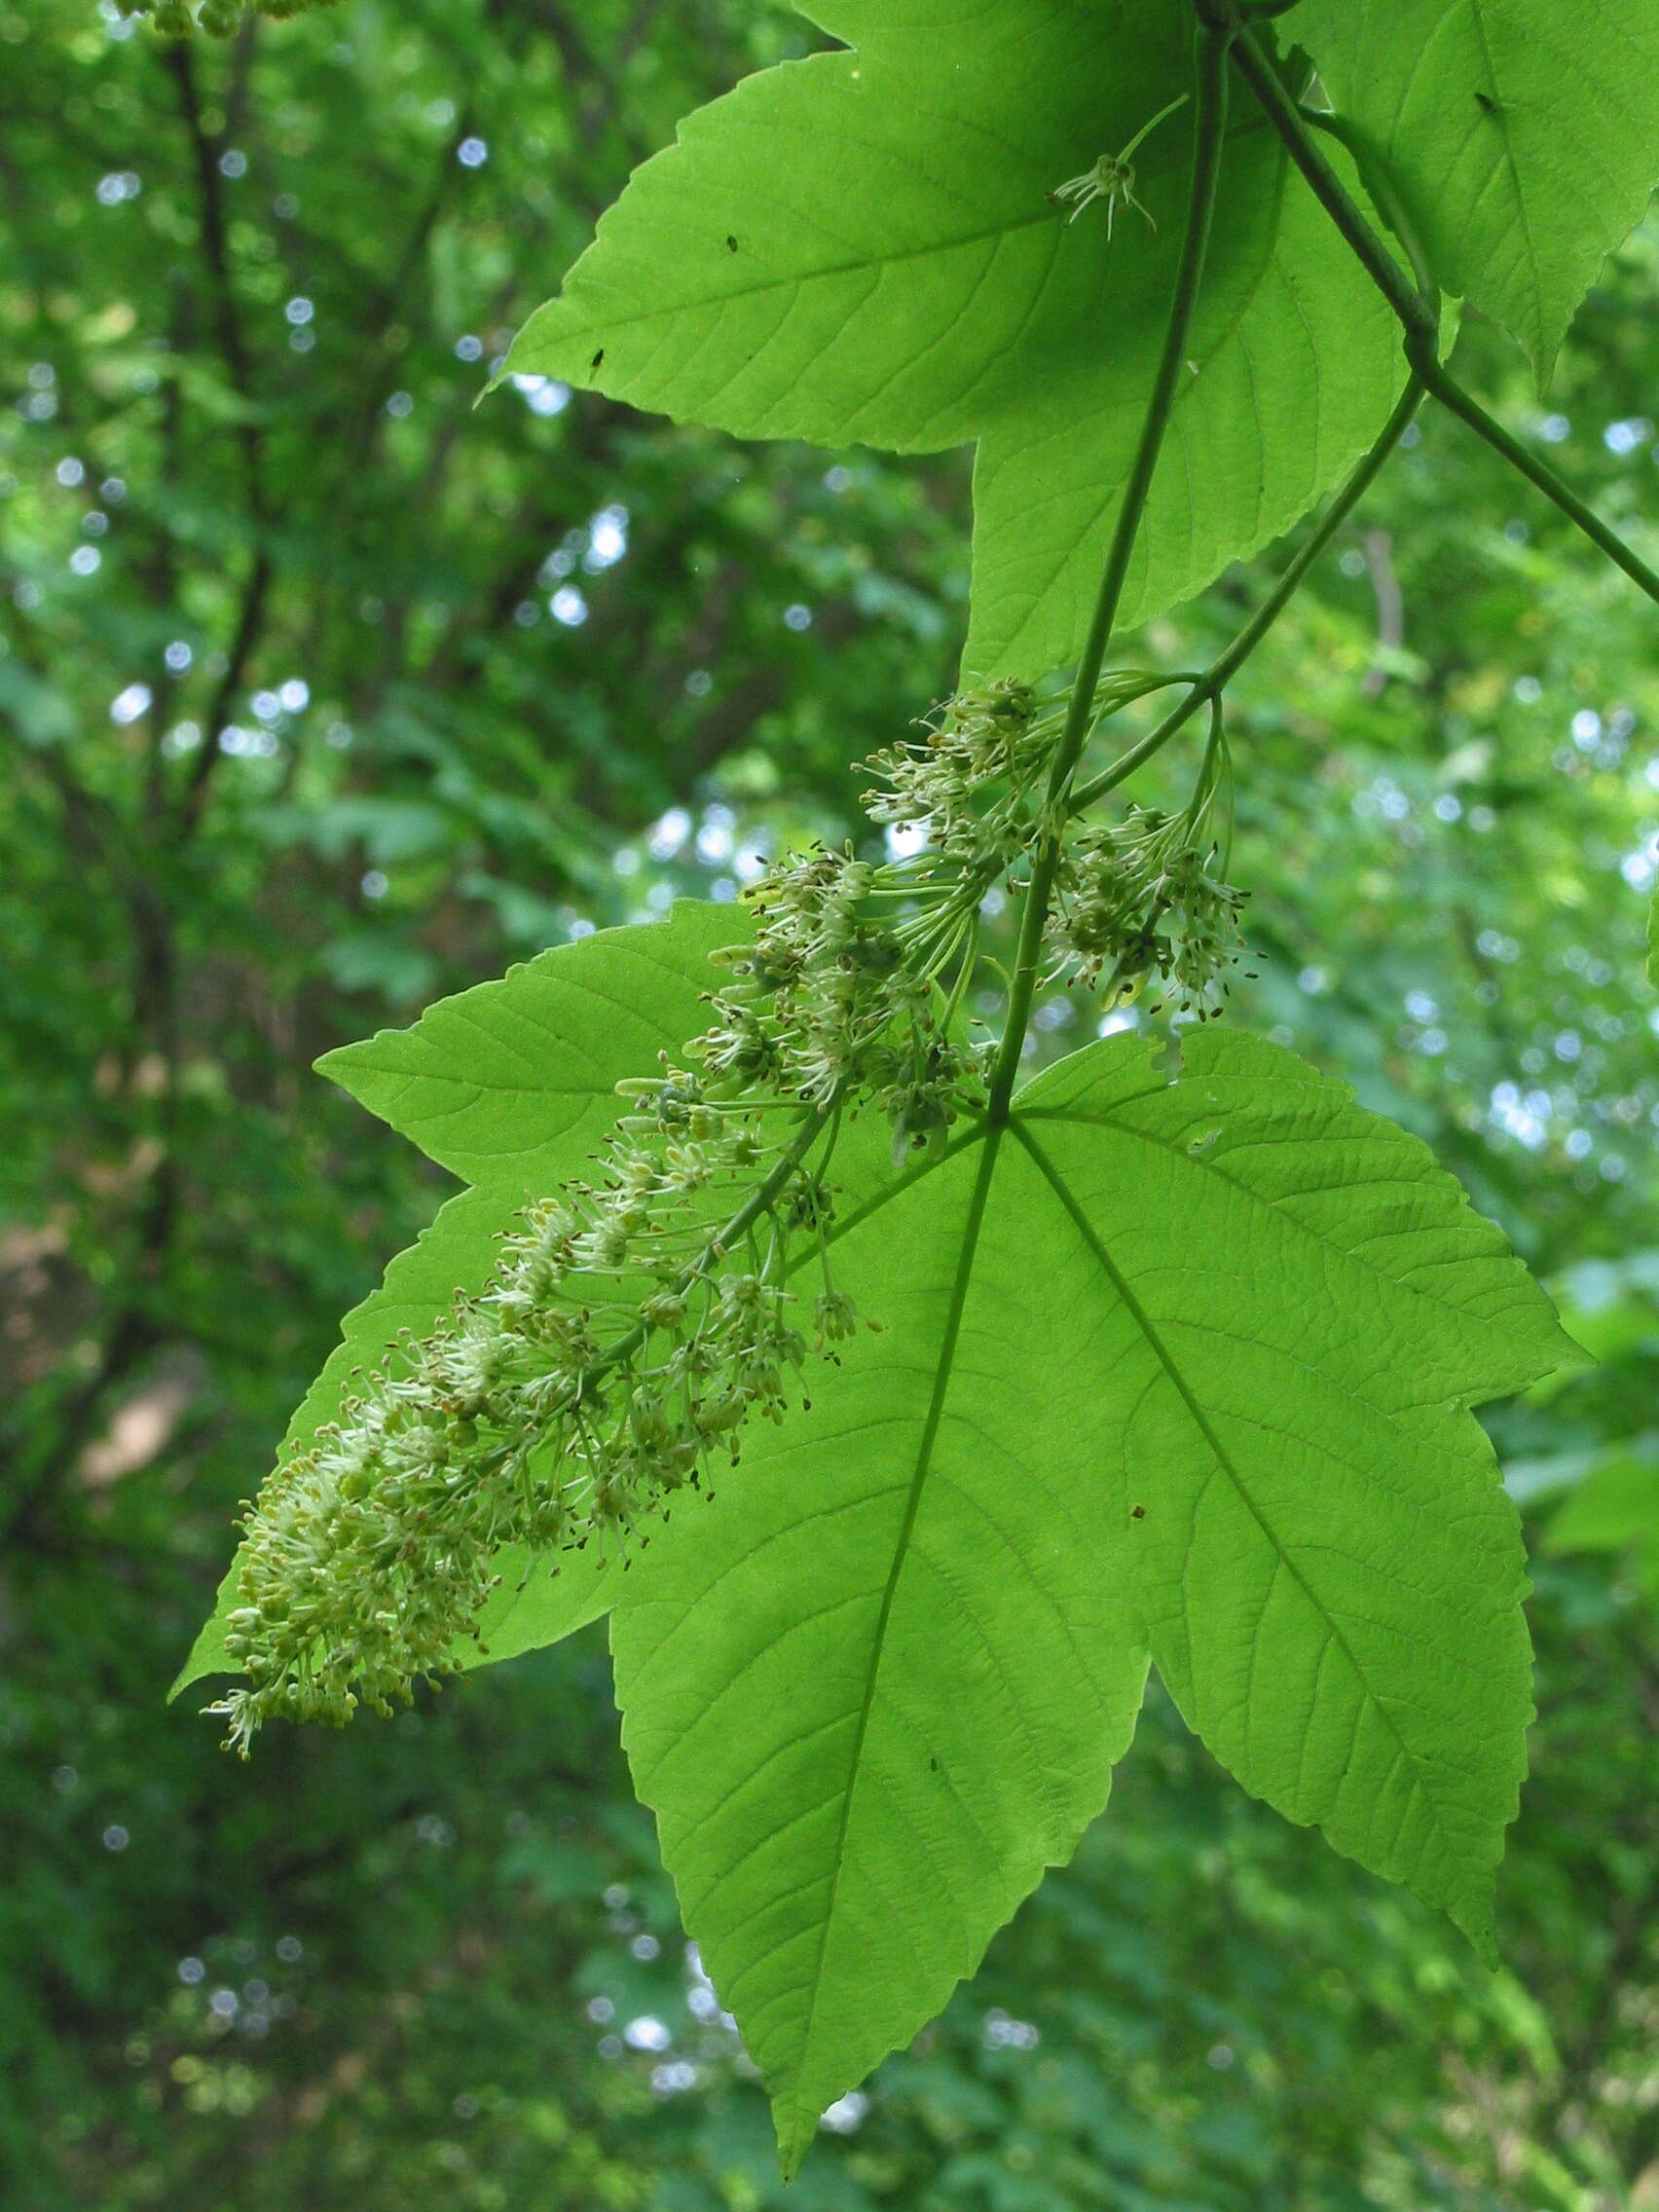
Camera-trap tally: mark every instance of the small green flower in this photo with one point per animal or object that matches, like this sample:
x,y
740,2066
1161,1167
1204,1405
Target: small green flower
x,y
1112,178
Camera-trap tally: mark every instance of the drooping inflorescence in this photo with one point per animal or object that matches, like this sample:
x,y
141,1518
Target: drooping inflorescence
x,y
1146,897
629,1329
634,1323
832,1000
1137,900
1133,899
967,782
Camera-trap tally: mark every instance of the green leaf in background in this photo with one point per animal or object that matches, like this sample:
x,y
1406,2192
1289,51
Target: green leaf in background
x,y
860,246
1522,135
1181,1368
512,1086
1613,1508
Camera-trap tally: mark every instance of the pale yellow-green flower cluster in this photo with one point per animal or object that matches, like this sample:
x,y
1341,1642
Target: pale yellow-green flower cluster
x,y
635,1323
832,1000
1134,901
967,782
630,1328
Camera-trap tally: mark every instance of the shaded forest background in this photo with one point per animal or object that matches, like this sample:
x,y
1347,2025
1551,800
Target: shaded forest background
x,y
322,694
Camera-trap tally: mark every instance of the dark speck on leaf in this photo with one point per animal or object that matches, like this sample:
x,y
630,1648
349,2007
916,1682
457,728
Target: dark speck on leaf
x,y
1487,104
731,244
597,357
1137,1512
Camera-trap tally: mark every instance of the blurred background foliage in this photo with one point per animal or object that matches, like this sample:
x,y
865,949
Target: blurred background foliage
x,y
321,694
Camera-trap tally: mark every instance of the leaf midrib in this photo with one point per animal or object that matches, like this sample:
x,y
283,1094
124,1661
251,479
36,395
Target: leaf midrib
x,y
973,1224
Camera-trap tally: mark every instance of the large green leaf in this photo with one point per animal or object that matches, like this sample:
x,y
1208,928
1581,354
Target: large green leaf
x,y
511,1086
1181,1368
860,246
881,1686
1523,136
1332,1572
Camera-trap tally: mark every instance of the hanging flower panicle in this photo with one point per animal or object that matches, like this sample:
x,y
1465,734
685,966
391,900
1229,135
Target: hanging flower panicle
x,y
833,1000
634,1324
630,1328
1137,900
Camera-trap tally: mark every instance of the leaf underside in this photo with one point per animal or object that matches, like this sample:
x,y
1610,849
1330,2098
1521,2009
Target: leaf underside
x,y
1522,135
877,1687
861,247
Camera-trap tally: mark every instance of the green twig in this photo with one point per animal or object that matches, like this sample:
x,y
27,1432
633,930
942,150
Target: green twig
x,y
1210,130
1221,671
1468,409
1417,316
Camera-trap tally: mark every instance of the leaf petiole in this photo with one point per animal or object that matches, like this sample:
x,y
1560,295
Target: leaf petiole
x,y
1147,128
